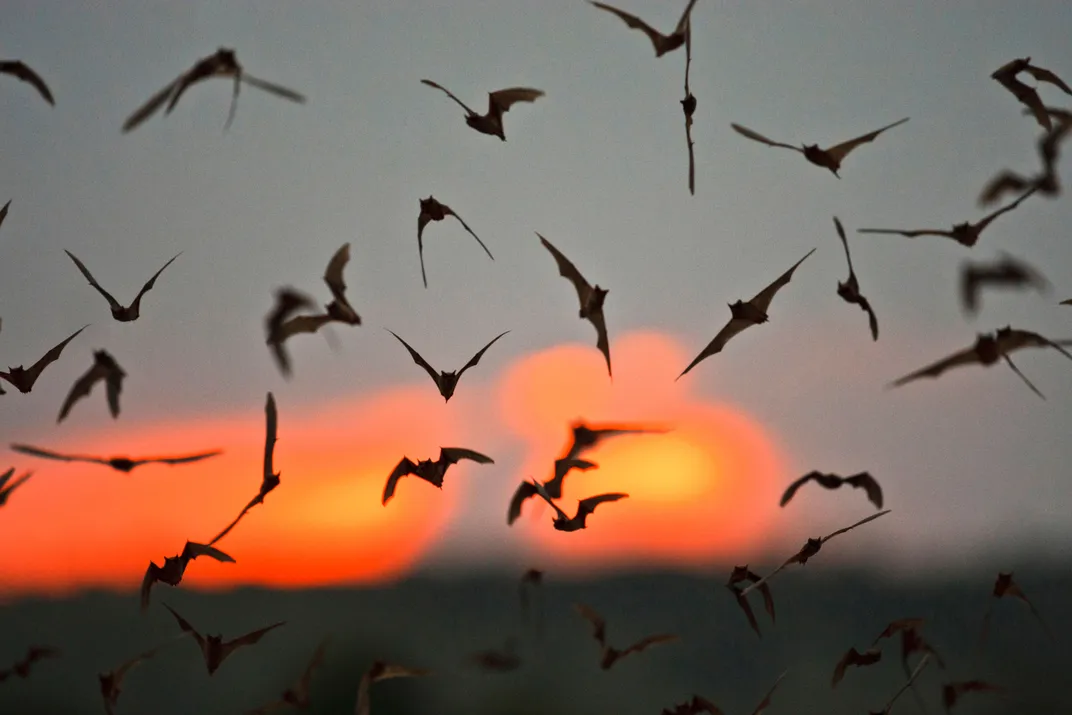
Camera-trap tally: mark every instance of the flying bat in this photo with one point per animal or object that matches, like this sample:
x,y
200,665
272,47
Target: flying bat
x,y
119,312
498,103
431,471
7,488
662,43
850,289
121,464
855,658
744,315
1006,586
591,298
1007,270
862,480
432,210
104,368
20,70
213,648
699,704
297,695
1047,182
1028,96
21,668
612,655
526,489
378,671
112,681
908,684
951,692
338,310
223,63
898,626
688,107
24,378
829,158
279,325
966,233
497,660
586,438
174,568
447,382
741,574
585,507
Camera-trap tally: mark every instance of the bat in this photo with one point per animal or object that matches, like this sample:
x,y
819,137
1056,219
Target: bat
x,y
432,210
1005,271
121,464
532,578
223,63
213,648
447,382
700,704
1028,96
1066,302
966,233
810,549
586,438
497,660
898,626
124,314
909,684
744,315
855,658
22,667
591,298
378,671
3,211
1006,586
431,471
499,102
297,695
112,681
7,488
662,43
911,641
279,326
741,574
20,70
951,692
849,291
987,350
1047,182
338,310
174,568
104,368
269,477
862,480
829,158
688,107
612,655
24,378
526,490
585,507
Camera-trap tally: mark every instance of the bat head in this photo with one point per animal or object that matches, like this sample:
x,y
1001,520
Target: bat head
x,y
746,311
448,382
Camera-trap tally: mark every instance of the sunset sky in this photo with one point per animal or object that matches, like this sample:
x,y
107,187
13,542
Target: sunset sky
x,y
598,166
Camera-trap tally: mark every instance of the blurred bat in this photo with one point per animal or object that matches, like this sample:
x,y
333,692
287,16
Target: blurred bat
x,y
112,681
1066,302
280,326
613,655
121,464
909,684
531,579
24,378
21,668
863,480
744,315
3,212
700,704
213,648
1006,586
850,289
951,692
297,695
498,660
119,312
20,70
855,658
688,106
1005,271
526,490
223,63
740,574
898,626
585,507
1006,76
447,382
662,43
338,310
966,233
499,102
381,671
104,368
586,438
174,568
6,489
1047,182
766,701
591,298
829,158
431,471
432,210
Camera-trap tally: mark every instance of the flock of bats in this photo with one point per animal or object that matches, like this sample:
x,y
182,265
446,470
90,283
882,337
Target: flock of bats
x,y
287,320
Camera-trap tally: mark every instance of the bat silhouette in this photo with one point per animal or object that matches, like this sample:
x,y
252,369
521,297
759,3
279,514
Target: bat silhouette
x,y
908,684
1006,586
810,549
24,378
966,233
280,326
553,486
586,438
174,568
21,668
338,310
1028,96
688,107
591,298
829,158
297,695
741,574
1046,182
911,642
662,43
855,658
952,692
119,312
744,315
987,350
104,368
3,211
223,63
432,210
1005,271
112,681
7,488
121,464
531,579
447,382
269,477
585,507
20,70
898,626
850,289
862,480
431,471
213,648
499,102
497,660
378,671
700,704
612,655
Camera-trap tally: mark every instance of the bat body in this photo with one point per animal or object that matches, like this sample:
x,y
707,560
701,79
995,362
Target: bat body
x,y
378,671
279,325
174,568
21,668
7,486
432,210
124,314
610,654
20,70
849,290
1046,182
585,507
223,63
855,658
213,648
1006,76
744,315
1005,271
741,574
553,486
270,478
24,378
862,480
1006,586
104,368
431,470
662,43
499,102
688,107
297,695
447,382
120,464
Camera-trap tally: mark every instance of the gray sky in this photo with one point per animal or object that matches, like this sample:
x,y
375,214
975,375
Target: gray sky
x,y
598,166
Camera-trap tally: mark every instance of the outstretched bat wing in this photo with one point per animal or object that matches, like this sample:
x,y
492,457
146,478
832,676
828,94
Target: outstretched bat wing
x,y
1045,75
48,454
405,467
180,460
567,270
587,506
792,488
966,356
861,522
193,549
50,357
418,359
908,234
636,23
869,484
647,642
82,388
151,282
450,211
756,136
762,300
524,491
839,151
599,626
476,358
452,455
446,91
276,89
248,639
20,70
152,105
731,329
501,100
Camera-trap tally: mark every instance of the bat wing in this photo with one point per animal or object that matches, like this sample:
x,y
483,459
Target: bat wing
x,y
986,220
6,489
909,234
47,454
452,455
844,242
756,136
766,701
745,606
277,90
647,642
524,491
185,626
301,324
587,506
419,360
336,284
147,582
82,387
405,467
966,356
422,221
1006,181
732,328
271,419
377,672
3,211
501,100
248,639
450,211
792,489
446,91
1022,376
21,70
683,24
861,522
602,341
872,319
567,270
762,300
476,358
636,23
692,156
112,302
839,151
599,626
152,281
1012,339
193,549
180,460
152,105
869,484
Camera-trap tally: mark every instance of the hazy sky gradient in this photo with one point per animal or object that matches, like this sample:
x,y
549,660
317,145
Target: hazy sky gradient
x,y
598,166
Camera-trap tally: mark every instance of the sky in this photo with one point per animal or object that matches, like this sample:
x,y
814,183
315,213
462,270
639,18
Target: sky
x,y
969,462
